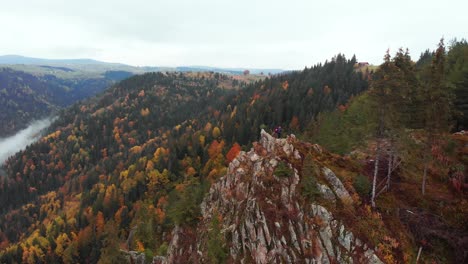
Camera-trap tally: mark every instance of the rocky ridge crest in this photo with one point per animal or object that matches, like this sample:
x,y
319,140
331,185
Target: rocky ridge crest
x,y
264,219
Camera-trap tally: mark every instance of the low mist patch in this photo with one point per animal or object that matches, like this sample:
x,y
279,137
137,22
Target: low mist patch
x,y
19,141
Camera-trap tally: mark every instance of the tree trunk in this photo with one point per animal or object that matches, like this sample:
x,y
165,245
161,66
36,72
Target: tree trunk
x,y
423,187
419,254
380,133
376,171
427,160
389,169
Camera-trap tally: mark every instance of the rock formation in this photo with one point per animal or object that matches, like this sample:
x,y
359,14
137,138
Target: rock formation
x,y
263,217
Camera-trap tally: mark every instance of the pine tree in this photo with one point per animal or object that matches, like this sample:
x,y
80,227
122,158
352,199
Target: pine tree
x,y
380,88
438,101
393,89
457,77
216,244
110,252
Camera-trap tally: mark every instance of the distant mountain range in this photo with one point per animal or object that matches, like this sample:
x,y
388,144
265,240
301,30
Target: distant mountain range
x,y
80,63
227,70
17,59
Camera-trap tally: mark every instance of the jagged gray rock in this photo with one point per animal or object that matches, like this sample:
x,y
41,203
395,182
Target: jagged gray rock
x,y
134,257
337,185
326,192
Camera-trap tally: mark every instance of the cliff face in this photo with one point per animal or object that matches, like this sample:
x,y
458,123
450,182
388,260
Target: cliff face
x,y
263,218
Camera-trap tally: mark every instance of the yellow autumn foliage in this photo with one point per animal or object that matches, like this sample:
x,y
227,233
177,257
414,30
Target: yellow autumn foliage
x,y
145,112
216,132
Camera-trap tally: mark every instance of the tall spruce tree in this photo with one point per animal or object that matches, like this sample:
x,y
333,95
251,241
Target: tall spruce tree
x,y
380,89
457,77
394,90
439,108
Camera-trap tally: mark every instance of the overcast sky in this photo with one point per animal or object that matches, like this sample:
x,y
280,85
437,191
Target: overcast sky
x,y
287,34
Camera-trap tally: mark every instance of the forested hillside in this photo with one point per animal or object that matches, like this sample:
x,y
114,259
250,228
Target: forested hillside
x,y
117,158
22,103
400,132
25,97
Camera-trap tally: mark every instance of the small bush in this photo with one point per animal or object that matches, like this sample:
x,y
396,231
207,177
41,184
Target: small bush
x,y
283,170
308,185
162,250
216,244
148,254
362,185
309,189
184,205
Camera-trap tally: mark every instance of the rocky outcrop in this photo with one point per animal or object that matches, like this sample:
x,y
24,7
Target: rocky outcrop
x,y
134,257
336,184
264,218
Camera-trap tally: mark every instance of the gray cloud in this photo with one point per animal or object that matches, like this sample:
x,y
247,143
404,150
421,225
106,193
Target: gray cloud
x,y
226,33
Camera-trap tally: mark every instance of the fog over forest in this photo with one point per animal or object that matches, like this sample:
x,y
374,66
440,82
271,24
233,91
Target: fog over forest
x,y
19,141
